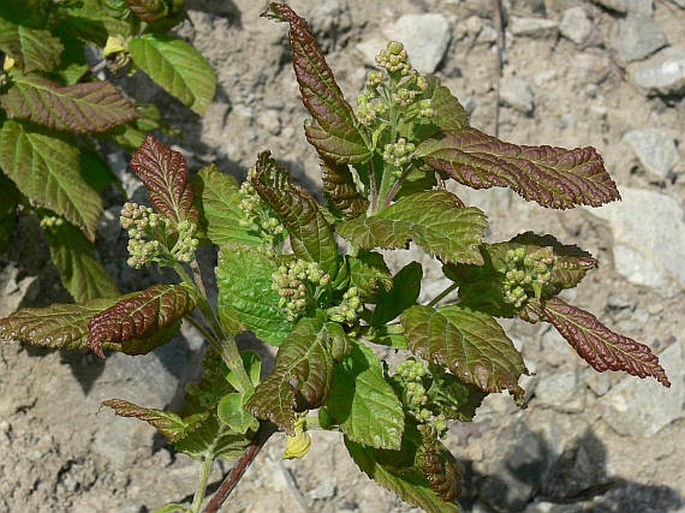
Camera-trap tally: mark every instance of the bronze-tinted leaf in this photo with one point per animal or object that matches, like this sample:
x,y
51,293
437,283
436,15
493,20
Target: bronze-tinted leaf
x,y
601,347
165,174
140,316
340,189
553,177
149,11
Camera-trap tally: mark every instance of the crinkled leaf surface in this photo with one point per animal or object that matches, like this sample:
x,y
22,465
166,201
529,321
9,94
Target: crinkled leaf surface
x,y
471,344
334,132
177,67
311,236
601,347
32,49
82,108
149,11
303,372
140,315
406,286
340,189
172,426
46,170
449,113
165,175
433,219
82,274
369,273
220,202
246,299
553,177
94,20
363,403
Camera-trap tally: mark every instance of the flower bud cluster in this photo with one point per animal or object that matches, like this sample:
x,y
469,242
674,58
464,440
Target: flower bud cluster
x,y
48,222
259,217
297,283
394,59
399,154
416,382
526,275
349,308
186,244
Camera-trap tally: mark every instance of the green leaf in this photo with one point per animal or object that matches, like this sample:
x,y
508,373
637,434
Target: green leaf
x,y
553,177
398,472
341,191
82,108
246,299
81,272
334,131
95,170
172,426
363,403
177,67
601,347
74,64
231,411
46,170
406,286
369,273
33,50
434,220
165,175
94,20
9,199
449,113
140,316
311,236
220,202
471,344
303,372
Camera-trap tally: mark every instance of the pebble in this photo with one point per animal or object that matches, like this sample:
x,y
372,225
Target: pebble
x,y
640,7
325,490
641,408
533,27
518,94
638,37
662,73
649,238
656,150
562,391
425,37
576,26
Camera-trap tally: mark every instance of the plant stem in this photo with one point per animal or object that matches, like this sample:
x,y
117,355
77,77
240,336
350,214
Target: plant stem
x,y
373,186
444,293
396,187
202,485
266,429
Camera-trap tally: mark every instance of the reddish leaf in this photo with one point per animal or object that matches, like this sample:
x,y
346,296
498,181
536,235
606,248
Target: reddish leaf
x,y
149,11
553,177
165,174
340,190
140,316
601,347
335,132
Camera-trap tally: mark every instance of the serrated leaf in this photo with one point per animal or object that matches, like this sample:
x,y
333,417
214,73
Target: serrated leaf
x,y
601,347
220,202
95,170
213,440
82,274
82,108
303,372
334,131
165,175
471,344
246,299
32,49
231,412
406,480
449,113
311,236
177,67
46,170
149,11
363,403
551,176
94,20
172,426
369,273
140,316
406,286
434,220
340,190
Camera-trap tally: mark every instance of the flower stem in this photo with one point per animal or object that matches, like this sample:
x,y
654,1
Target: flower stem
x,y
442,295
202,485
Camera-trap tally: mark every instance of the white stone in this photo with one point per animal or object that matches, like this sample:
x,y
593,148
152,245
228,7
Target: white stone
x,y
518,94
638,37
533,27
663,73
425,37
563,391
656,150
649,238
575,25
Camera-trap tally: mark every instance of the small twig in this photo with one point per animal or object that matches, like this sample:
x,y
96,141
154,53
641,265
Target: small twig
x,y
266,429
499,27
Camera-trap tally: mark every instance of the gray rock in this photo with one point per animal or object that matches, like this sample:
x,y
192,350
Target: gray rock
x,y
518,94
638,37
425,36
641,408
662,73
656,150
15,291
679,3
576,26
613,5
640,7
533,27
563,391
649,238
325,490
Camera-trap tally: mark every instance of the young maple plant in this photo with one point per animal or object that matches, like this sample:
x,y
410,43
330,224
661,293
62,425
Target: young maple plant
x,y
384,165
